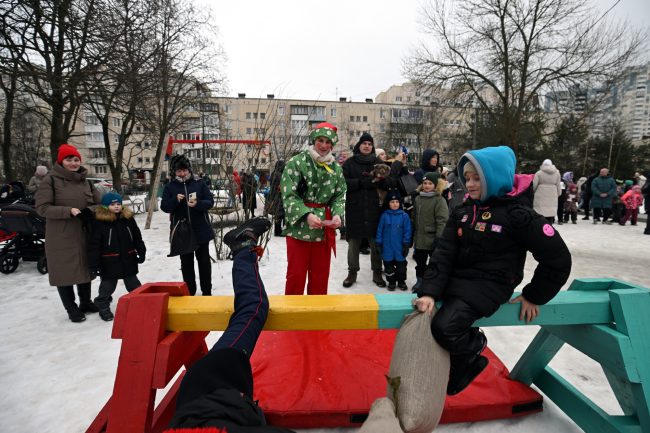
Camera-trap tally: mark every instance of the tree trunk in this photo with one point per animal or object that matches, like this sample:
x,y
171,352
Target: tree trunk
x,y
6,139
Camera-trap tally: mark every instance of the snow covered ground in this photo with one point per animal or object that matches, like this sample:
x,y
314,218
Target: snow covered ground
x,y
56,375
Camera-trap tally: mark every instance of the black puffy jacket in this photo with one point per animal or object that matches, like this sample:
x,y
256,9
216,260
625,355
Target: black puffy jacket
x,y
481,255
115,243
362,210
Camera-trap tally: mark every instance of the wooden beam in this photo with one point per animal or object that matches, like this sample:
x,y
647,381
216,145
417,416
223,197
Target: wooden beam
x,y
382,311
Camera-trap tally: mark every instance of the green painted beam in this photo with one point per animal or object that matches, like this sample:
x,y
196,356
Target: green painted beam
x,y
567,308
536,357
601,343
580,409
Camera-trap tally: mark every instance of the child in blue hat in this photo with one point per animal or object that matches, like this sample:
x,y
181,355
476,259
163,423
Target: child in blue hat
x,y
479,260
115,248
393,240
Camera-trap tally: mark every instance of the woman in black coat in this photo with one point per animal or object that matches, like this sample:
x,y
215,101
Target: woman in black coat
x,y
187,198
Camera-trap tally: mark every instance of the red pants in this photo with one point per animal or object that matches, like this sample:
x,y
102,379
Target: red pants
x,y
303,257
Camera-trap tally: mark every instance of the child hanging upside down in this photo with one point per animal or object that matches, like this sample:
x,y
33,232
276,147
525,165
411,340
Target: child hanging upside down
x,y
216,394
479,260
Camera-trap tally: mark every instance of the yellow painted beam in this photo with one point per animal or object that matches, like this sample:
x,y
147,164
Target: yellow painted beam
x,y
211,313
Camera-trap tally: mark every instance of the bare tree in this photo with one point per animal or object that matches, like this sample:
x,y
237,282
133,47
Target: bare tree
x,y
117,88
54,57
504,53
185,57
11,51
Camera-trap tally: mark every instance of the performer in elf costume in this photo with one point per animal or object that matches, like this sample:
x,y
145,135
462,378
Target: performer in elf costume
x,y
313,192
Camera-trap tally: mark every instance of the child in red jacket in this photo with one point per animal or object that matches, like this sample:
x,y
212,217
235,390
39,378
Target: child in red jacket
x,y
632,200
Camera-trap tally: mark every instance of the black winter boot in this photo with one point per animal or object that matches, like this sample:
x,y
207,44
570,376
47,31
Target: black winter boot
x,y
464,371
378,279
66,293
106,315
246,235
350,279
85,304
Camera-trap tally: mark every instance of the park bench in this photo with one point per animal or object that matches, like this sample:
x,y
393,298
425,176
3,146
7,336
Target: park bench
x,y
162,330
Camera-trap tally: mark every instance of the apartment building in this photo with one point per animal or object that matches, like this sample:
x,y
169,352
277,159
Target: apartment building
x,y
397,118
627,103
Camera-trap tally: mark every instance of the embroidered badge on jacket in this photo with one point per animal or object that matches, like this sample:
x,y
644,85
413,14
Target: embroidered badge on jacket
x,y
480,226
486,215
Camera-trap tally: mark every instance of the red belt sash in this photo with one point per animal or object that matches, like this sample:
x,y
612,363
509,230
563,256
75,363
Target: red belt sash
x,y
330,233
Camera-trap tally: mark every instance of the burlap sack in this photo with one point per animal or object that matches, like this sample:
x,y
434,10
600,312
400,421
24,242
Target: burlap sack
x,y
418,375
381,418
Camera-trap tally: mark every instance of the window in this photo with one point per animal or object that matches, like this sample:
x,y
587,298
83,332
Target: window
x,y
249,131
398,99
147,145
248,115
382,127
358,118
408,99
333,112
299,109
226,108
95,136
263,160
229,155
138,128
365,118
281,110
255,116
117,121
262,116
147,160
91,119
382,113
140,160
101,169
351,118
98,153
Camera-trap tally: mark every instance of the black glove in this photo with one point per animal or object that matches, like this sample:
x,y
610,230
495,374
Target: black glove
x,y
141,258
86,215
95,272
379,248
405,250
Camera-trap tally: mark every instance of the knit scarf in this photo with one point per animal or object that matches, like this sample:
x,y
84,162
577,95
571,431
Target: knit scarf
x,y
323,161
365,159
427,194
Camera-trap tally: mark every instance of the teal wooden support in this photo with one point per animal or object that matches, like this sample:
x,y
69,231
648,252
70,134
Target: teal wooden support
x,y
621,344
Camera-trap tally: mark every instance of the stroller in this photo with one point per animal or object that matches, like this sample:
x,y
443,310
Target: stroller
x,y
22,233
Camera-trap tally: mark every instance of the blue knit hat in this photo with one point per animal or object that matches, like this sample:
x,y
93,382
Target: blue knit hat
x,y
110,198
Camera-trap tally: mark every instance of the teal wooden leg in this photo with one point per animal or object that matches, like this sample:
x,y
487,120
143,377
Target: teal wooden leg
x,y
631,309
537,356
580,409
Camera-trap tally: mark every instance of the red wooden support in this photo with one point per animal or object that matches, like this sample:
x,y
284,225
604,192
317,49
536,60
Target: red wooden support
x,y
149,359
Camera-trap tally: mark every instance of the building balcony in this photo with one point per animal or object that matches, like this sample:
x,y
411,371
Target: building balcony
x,y
96,161
95,145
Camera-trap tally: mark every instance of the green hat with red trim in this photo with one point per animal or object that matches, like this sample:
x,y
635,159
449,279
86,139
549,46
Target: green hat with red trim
x,y
324,130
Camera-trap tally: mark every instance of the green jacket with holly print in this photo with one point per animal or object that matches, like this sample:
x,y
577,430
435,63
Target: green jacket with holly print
x,y
304,181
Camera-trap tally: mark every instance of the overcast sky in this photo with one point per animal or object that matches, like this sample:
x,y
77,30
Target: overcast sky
x,y
325,50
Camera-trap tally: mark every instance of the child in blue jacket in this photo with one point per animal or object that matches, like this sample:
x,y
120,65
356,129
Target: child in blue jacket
x,y
393,240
